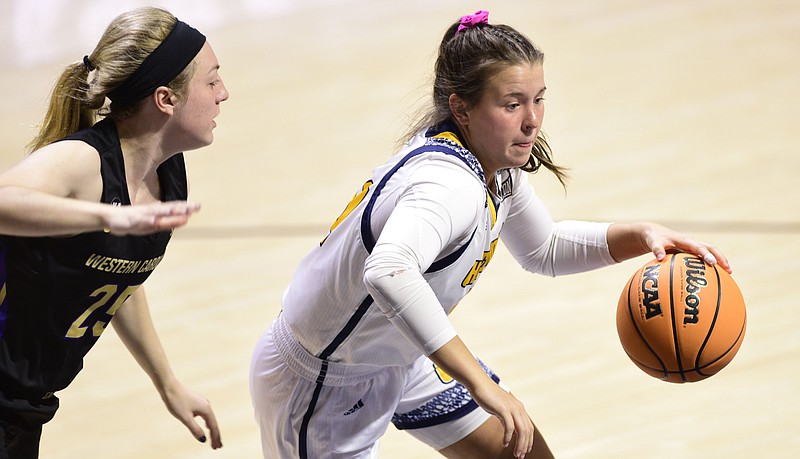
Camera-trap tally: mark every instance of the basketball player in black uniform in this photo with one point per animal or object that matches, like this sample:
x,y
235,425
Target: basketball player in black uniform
x,y
86,217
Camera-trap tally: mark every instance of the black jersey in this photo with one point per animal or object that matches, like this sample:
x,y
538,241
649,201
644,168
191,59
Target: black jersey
x,y
59,293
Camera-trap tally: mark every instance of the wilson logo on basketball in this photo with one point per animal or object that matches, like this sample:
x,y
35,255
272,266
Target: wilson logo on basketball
x,y
695,281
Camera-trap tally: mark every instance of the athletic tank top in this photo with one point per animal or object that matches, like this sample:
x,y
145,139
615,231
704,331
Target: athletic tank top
x,y
60,293
327,305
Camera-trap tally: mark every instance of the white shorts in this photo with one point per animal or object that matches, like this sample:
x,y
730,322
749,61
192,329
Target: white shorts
x,y
345,415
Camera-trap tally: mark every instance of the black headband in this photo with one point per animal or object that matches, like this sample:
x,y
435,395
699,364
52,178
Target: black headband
x,y
165,63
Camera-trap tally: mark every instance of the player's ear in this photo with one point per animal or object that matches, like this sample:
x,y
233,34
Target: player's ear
x,y
165,99
459,109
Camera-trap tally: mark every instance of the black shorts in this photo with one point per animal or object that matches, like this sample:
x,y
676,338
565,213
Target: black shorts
x,y
21,422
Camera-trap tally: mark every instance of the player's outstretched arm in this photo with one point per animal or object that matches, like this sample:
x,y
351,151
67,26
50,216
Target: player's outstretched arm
x,y
28,212
629,240
56,190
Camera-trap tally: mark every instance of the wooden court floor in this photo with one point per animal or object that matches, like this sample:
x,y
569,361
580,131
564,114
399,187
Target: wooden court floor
x,y
682,112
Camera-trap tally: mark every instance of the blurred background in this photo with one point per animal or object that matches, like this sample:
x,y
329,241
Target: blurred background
x,y
680,112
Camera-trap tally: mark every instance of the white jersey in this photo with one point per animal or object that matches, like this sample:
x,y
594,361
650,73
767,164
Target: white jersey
x,y
423,228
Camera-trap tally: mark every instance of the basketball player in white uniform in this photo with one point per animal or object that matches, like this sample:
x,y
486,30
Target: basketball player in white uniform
x,y
363,338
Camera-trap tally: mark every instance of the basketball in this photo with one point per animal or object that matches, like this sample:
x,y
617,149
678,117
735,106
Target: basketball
x,y
681,320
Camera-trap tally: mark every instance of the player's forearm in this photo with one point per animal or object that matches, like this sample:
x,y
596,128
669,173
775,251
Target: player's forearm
x,y
458,362
627,240
410,304
135,328
27,212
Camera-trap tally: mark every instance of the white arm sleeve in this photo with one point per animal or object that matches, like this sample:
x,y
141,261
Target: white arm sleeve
x,y
432,217
543,246
410,305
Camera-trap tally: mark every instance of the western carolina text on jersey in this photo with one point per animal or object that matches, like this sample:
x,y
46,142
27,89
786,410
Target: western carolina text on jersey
x,y
121,266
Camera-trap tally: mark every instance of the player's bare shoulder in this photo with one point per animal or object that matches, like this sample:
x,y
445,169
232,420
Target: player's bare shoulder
x,y
68,168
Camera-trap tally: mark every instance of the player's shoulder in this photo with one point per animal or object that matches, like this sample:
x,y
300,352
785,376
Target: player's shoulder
x,y
446,154
64,156
446,172
68,168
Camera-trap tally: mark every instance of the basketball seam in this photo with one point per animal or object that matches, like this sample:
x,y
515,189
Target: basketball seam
x,y
736,343
664,370
697,366
675,340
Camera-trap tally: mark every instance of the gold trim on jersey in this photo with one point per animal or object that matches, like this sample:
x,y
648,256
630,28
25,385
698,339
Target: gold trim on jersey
x,y
449,136
492,209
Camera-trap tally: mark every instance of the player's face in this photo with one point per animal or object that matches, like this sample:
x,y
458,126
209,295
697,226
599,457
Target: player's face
x,y
205,92
502,127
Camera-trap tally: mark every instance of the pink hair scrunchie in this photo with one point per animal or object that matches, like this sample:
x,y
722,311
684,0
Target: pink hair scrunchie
x,y
471,20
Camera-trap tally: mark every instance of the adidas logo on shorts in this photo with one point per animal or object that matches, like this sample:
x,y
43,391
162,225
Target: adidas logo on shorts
x,y
355,408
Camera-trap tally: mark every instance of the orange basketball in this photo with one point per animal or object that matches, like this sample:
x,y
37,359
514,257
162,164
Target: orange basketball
x,y
681,320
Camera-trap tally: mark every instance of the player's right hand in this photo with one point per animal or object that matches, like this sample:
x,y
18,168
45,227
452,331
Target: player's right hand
x,y
144,219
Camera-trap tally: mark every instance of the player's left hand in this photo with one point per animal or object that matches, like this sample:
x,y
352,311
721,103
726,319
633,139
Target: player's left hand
x,y
185,405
